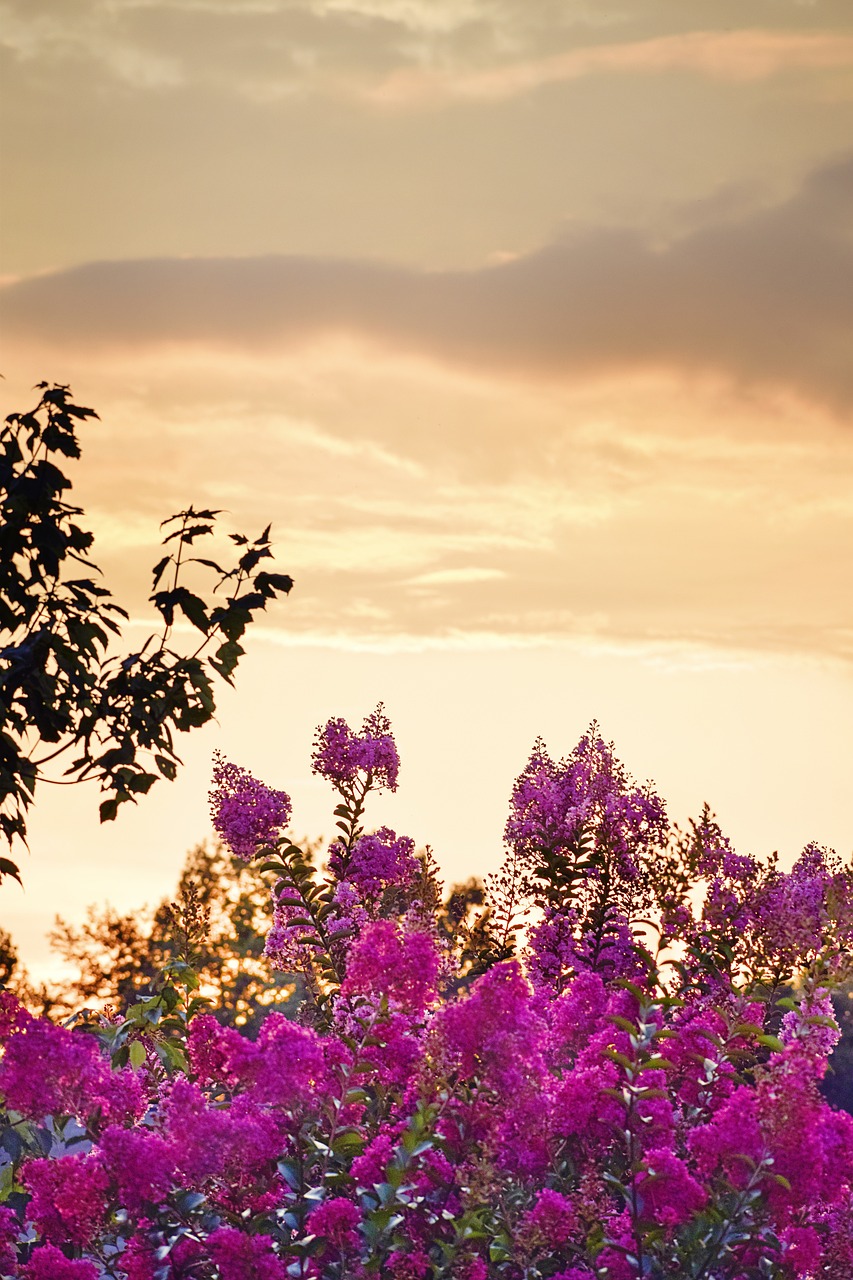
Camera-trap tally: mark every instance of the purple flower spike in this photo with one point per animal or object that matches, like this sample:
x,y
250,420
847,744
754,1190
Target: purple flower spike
x,y
246,813
340,755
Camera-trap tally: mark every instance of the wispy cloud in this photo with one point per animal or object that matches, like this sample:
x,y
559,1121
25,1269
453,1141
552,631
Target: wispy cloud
x,y
729,55
408,54
48,35
456,577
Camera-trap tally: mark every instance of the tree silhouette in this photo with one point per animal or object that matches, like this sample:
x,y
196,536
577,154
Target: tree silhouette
x,y
64,687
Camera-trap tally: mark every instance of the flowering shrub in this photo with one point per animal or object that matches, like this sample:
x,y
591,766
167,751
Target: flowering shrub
x,y
612,1073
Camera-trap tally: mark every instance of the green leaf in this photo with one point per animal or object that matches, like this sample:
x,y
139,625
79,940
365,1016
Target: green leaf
x,y
136,1053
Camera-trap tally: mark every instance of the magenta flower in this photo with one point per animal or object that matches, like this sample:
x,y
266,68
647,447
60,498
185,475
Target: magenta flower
x,y
553,1219
580,1100
50,1263
48,1070
245,812
68,1197
142,1164
812,1030
669,1193
337,1221
9,1232
554,801
344,757
239,1256
386,961
378,862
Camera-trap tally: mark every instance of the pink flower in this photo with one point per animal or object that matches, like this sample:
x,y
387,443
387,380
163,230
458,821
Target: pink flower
x,y
246,813
378,862
409,1266
49,1070
386,961
68,1202
574,1016
803,1251
9,1232
812,1030
284,1067
288,1070
733,1132
239,1256
139,1260
553,1219
341,756
142,1164
669,1193
494,1031
214,1050
553,801
231,1149
49,1263
336,1221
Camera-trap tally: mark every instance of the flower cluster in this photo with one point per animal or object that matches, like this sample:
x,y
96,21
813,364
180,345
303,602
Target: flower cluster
x,y
247,814
626,1087
344,757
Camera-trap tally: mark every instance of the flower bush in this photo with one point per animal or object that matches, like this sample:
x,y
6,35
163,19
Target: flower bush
x,y
611,1073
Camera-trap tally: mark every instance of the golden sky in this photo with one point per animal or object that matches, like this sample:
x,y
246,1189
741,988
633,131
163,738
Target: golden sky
x,y
528,323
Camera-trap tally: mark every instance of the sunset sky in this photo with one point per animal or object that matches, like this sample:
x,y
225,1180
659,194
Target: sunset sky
x,y
527,323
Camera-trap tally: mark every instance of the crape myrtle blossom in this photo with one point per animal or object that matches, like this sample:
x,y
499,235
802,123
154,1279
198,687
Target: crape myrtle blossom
x,y
347,759
627,1089
553,802
246,813
50,1263
239,1256
378,862
388,961
46,1069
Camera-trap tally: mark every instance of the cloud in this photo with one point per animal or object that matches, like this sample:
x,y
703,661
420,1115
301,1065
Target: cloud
x,y
410,54
760,298
35,36
728,55
462,576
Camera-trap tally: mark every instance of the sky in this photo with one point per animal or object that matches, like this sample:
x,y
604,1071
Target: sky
x,y
529,326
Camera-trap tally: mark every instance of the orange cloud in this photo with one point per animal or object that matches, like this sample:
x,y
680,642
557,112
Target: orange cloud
x,y
729,55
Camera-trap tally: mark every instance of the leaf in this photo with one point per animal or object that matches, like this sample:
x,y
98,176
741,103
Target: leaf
x,y
167,767
159,570
193,607
10,868
226,658
622,1023
108,809
274,582
621,1059
136,1053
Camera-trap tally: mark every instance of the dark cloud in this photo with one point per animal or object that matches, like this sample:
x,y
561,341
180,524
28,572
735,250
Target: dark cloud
x,y
765,297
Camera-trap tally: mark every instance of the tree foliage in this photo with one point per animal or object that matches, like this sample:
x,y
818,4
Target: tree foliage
x,y
117,957
66,689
